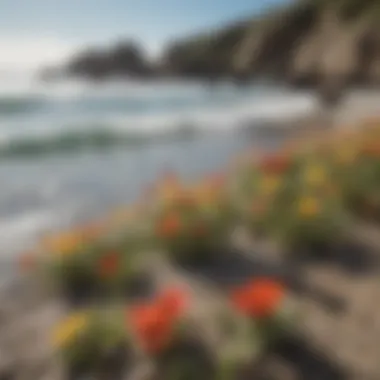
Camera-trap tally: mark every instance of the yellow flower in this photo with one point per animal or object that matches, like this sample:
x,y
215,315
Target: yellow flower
x,y
69,329
308,207
315,175
347,154
269,184
64,244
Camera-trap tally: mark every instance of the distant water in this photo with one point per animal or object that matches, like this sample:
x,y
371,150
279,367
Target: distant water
x,y
70,151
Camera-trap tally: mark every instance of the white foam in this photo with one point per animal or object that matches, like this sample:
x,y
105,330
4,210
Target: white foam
x,y
17,233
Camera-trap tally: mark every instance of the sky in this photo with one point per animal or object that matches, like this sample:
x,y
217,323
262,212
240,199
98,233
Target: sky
x,y
33,32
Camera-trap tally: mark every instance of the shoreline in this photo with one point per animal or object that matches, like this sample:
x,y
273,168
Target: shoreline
x,y
27,293
270,135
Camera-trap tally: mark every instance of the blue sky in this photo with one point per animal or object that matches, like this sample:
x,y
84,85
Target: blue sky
x,y
33,25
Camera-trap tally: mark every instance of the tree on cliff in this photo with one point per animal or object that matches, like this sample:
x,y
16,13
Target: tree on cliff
x,y
125,59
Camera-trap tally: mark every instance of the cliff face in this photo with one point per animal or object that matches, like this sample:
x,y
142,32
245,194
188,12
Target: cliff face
x,y
305,43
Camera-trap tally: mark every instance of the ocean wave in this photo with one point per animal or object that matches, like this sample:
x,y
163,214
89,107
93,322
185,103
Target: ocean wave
x,y
95,124
13,105
98,138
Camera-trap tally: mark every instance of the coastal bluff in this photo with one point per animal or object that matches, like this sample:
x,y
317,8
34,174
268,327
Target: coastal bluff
x,y
302,43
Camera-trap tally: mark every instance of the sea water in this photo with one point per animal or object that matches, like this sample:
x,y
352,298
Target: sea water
x,y
70,151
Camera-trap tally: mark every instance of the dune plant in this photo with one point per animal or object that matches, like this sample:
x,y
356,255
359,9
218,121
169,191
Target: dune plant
x,y
94,342
192,223
86,267
259,186
167,331
358,168
311,211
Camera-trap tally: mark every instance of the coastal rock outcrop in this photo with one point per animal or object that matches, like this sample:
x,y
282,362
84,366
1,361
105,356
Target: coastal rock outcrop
x,y
306,43
124,59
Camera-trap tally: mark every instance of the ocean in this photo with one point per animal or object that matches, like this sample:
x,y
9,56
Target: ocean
x,y
70,151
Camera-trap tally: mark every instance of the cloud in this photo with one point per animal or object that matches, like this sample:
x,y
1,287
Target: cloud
x,y
29,53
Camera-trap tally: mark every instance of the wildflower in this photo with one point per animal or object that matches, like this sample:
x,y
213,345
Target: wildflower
x,y
276,164
154,322
151,326
169,226
69,329
64,244
270,184
173,301
308,207
260,298
109,264
315,175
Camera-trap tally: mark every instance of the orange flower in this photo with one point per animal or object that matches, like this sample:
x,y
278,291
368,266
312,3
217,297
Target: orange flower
x,y
109,264
259,299
169,226
275,164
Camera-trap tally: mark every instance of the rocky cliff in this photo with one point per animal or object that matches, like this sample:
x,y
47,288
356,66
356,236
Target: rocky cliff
x,y
302,43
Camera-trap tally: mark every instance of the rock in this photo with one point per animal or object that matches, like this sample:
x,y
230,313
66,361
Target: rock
x,y
27,340
7,366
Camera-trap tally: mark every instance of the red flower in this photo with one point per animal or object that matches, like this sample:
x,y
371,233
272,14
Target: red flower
x,y
109,264
275,164
154,322
169,226
152,327
173,302
260,298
